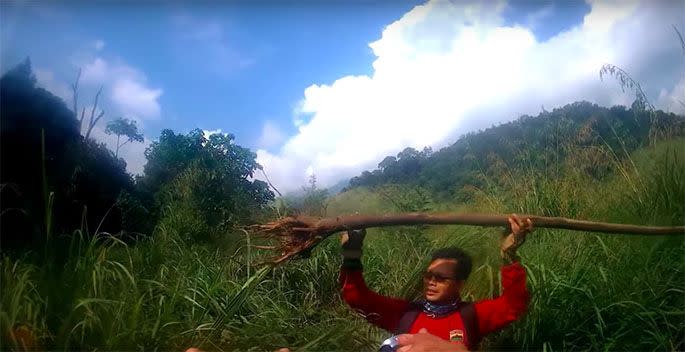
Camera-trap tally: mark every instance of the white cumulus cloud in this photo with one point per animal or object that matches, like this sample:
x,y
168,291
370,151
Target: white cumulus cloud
x,y
96,71
126,87
673,100
271,135
208,133
133,96
448,68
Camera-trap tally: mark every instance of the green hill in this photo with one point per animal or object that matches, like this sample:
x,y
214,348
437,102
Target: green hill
x,y
586,135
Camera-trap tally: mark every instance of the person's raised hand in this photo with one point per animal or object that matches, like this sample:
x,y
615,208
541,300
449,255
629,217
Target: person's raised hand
x,y
352,242
516,237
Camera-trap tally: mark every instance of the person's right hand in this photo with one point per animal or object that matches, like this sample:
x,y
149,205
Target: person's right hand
x,y
352,242
425,342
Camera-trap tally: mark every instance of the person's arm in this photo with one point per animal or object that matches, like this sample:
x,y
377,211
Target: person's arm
x,y
379,310
494,314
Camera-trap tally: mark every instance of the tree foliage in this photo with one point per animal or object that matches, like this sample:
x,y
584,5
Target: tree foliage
x,y
315,200
539,142
83,176
309,200
86,186
402,168
124,127
214,174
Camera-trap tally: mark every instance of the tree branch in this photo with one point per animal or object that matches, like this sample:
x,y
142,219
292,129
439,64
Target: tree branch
x,y
83,114
94,120
74,89
300,234
268,181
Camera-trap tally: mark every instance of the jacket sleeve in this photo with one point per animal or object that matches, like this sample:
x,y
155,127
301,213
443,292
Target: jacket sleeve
x,y
384,312
495,314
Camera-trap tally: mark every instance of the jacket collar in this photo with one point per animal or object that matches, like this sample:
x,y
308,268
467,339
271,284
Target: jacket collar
x,y
439,310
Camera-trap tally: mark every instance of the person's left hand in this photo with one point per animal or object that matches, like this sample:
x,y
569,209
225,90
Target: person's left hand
x,y
352,243
425,342
517,236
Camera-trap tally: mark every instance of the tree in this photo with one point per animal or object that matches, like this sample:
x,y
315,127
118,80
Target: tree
x,y
93,119
407,154
315,199
387,163
124,127
43,156
212,175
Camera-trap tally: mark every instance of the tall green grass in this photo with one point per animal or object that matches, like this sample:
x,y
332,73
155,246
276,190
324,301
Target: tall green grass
x,y
595,291
171,291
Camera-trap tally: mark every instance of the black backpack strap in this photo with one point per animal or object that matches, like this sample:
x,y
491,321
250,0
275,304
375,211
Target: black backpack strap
x,y
408,318
470,320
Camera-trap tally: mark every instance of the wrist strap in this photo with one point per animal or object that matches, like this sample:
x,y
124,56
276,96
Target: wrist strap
x,y
352,253
352,264
509,258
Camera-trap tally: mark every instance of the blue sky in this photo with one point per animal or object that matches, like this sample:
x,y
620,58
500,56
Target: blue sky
x,y
246,67
229,67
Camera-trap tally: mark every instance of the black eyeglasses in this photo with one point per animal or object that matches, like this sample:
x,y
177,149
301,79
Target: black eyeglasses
x,y
429,275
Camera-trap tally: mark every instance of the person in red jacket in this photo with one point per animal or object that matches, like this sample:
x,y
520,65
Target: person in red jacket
x,y
441,312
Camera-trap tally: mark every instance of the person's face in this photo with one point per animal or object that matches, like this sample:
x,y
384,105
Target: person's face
x,y
439,283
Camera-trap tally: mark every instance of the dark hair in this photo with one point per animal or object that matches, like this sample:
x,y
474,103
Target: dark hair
x,y
463,269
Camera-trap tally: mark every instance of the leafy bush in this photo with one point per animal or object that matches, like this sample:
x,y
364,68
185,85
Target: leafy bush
x,y
211,176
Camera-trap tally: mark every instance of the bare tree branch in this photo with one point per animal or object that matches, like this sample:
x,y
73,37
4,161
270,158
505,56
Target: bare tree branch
x,y
300,234
83,114
74,89
680,37
94,120
268,181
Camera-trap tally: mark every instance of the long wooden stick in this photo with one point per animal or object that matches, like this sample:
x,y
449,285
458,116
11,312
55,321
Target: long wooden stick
x,y
301,233
342,223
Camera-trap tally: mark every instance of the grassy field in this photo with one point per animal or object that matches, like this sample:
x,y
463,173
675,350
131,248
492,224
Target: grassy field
x,y
589,291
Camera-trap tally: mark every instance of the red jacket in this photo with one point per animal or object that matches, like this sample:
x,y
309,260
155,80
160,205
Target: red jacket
x,y
491,314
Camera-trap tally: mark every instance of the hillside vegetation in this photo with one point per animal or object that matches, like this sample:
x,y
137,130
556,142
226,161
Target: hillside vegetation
x,y
589,136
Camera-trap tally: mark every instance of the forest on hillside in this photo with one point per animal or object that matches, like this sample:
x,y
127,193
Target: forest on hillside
x,y
94,258
542,142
